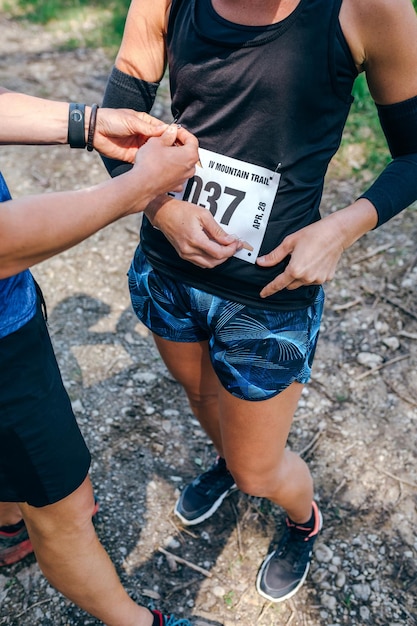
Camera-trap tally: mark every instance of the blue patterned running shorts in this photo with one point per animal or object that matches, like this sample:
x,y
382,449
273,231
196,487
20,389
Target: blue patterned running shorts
x,y
255,353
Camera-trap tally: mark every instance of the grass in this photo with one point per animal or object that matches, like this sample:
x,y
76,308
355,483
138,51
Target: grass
x,y
363,132
363,149
229,599
91,23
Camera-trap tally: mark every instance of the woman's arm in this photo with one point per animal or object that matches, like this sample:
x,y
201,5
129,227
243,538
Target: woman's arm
x,y
382,35
29,120
37,227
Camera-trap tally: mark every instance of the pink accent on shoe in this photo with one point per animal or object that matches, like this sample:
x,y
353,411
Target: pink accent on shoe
x,y
15,553
317,523
159,615
96,508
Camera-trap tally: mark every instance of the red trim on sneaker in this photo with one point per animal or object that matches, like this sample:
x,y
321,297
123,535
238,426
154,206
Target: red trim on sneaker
x,y
15,553
96,507
158,614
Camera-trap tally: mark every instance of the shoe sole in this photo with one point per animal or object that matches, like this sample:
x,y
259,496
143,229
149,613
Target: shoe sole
x,y
16,553
208,513
291,593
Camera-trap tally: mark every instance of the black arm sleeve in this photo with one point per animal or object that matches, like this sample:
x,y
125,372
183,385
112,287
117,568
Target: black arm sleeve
x,y
126,92
396,187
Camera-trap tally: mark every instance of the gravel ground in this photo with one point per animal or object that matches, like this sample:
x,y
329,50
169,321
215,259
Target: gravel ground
x,y
355,424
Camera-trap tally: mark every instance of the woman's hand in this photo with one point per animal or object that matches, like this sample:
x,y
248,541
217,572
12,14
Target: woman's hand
x,y
193,232
315,250
121,132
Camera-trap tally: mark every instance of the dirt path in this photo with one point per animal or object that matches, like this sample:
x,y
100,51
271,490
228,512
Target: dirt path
x,y
355,426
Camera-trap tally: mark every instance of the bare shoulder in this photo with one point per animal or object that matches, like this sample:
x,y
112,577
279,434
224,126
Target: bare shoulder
x,y
142,51
367,23
154,12
380,10
382,36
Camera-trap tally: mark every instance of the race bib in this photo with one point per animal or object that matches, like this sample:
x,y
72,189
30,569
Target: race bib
x,y
239,195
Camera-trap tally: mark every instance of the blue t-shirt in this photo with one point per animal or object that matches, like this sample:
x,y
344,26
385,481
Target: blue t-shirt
x,y
17,293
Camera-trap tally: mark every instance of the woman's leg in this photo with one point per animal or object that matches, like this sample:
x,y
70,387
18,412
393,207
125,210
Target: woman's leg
x,y
254,437
10,513
190,365
74,561
251,436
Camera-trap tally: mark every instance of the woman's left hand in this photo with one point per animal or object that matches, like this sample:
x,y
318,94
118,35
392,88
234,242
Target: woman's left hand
x,y
314,253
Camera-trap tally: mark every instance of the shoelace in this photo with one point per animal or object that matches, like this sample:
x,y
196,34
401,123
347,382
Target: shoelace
x,y
203,488
206,479
292,543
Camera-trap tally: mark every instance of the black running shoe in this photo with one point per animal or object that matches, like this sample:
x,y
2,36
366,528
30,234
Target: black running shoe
x,y
200,499
284,570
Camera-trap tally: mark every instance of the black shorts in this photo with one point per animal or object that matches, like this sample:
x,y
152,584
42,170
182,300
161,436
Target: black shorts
x,y
43,456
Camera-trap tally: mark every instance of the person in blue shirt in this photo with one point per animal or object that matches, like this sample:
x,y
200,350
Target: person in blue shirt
x,y
46,497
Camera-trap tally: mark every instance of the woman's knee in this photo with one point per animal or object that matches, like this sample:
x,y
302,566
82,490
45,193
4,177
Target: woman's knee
x,y
259,482
69,516
288,475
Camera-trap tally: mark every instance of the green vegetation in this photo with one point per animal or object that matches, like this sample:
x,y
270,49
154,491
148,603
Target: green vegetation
x,y
88,22
364,132
229,599
363,147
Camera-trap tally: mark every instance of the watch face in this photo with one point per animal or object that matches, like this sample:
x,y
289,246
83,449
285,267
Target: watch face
x,y
76,116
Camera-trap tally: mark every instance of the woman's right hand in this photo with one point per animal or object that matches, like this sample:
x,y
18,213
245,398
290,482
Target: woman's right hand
x,y
168,161
192,231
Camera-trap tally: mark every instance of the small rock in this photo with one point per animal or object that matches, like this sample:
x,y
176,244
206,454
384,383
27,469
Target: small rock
x,y
328,602
319,575
323,553
218,591
362,591
167,426
129,338
340,580
392,343
365,613
77,406
150,593
369,359
171,413
381,327
171,543
144,377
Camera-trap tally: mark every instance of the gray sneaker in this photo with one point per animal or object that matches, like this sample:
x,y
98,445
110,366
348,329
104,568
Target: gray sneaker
x,y
285,570
201,498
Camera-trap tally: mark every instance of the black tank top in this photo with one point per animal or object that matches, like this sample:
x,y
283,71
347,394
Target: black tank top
x,y
274,96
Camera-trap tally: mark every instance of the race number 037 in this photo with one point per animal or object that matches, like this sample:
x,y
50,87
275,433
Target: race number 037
x,y
194,189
